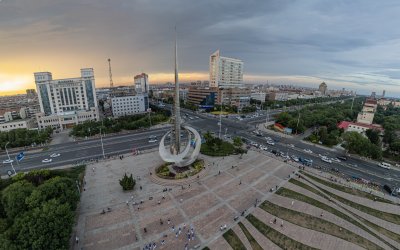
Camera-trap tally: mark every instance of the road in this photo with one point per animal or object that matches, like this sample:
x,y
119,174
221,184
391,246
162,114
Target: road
x,y
73,152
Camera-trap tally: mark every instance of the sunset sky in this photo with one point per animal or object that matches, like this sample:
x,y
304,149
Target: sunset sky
x,y
348,44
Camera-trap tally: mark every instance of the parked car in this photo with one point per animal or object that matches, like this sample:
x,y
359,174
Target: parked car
x,y
54,155
307,150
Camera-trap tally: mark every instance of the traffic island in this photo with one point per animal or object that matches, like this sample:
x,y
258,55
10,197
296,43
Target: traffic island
x,y
171,172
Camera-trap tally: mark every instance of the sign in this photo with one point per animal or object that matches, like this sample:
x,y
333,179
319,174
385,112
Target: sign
x,y
20,156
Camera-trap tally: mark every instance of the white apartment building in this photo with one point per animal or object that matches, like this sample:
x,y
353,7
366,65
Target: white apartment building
x,y
259,96
66,101
129,105
142,83
225,72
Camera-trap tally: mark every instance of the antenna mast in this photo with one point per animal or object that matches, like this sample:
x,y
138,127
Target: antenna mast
x,y
110,73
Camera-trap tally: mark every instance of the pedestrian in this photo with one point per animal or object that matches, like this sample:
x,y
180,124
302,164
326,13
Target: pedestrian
x,y
77,239
240,182
281,223
322,214
219,172
161,222
292,203
145,230
140,187
159,202
169,221
274,220
127,203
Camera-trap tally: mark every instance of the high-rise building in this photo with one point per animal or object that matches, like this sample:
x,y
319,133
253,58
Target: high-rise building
x,y
383,93
225,72
65,102
71,94
142,83
322,88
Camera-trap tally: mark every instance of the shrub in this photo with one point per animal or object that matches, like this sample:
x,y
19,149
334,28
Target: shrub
x,y
127,183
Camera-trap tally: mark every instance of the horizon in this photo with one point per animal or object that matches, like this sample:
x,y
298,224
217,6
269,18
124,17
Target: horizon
x,y
285,42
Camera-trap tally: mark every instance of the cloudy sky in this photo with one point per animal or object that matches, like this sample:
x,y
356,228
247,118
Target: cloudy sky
x,y
348,44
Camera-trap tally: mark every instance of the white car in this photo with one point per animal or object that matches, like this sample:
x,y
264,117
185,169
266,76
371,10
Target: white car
x,y
336,160
152,140
271,142
307,151
268,138
8,161
54,155
295,158
262,147
47,160
291,145
325,159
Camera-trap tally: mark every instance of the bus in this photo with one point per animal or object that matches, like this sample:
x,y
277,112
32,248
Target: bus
x,y
385,165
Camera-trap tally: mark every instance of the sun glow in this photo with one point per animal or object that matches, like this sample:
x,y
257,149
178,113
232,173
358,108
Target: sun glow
x,y
14,84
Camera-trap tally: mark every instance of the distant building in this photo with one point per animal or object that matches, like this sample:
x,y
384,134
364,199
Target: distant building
x,y
323,88
128,105
259,96
203,97
66,102
239,97
225,72
183,95
277,96
373,95
142,83
31,93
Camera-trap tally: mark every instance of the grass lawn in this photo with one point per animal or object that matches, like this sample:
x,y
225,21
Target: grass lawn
x,y
292,194
233,240
254,244
276,237
224,149
317,224
347,189
393,218
222,112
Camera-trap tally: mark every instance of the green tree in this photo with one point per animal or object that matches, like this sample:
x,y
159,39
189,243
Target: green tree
x,y
127,183
62,188
237,141
14,196
373,136
45,227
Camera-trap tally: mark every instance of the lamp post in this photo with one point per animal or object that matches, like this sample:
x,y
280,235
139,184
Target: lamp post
x,y
9,159
220,116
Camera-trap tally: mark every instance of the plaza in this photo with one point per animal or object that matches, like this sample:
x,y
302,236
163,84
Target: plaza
x,y
227,188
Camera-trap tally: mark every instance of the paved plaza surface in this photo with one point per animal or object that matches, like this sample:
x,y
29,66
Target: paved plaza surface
x,y
228,187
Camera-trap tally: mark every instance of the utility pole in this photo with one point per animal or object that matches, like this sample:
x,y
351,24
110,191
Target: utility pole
x,y
297,126
101,140
110,73
352,103
9,159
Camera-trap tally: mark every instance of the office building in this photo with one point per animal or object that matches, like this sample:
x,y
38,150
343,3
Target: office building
x,y
129,104
17,124
239,97
203,97
225,72
142,83
66,102
259,96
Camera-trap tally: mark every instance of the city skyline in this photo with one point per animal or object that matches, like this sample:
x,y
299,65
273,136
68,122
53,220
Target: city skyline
x,y
285,42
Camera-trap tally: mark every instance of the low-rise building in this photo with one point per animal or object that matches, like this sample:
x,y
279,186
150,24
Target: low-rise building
x,y
359,127
67,119
277,96
16,124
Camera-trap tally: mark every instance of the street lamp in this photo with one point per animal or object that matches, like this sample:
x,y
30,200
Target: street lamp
x,y
9,159
101,140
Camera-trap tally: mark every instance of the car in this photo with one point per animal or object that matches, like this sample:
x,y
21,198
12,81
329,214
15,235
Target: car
x,y
54,155
307,150
268,138
254,144
274,151
343,158
152,140
262,147
8,161
47,160
385,165
191,118
352,165
336,160
295,158
271,143
335,170
291,145
326,159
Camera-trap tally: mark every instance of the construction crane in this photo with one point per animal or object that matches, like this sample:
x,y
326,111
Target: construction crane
x,y
110,73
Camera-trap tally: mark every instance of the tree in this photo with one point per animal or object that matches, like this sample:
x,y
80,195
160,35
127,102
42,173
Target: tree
x,y
237,141
127,183
62,188
373,136
13,198
45,227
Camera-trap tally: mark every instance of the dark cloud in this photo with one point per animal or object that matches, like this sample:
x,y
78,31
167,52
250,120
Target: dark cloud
x,y
325,39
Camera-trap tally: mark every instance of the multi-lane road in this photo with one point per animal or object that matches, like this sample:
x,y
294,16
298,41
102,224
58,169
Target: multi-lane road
x,y
73,152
